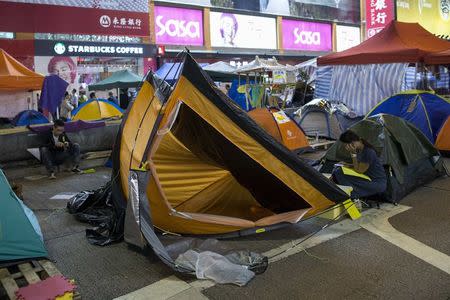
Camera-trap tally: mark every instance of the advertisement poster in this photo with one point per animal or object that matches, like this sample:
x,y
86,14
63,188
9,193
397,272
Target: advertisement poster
x,y
378,14
63,66
332,10
178,26
433,15
347,37
35,18
242,31
306,36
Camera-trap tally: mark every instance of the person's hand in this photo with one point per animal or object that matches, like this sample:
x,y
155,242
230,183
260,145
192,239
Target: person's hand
x,y
350,148
59,144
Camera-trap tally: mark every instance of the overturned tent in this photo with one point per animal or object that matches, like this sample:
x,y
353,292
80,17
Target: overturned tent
x,y
97,110
192,162
410,160
21,237
280,126
325,119
426,110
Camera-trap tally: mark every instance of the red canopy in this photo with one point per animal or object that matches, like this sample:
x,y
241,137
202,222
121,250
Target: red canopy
x,y
397,42
438,58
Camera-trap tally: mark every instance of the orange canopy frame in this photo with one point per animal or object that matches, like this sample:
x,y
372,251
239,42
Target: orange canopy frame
x,y
398,42
16,77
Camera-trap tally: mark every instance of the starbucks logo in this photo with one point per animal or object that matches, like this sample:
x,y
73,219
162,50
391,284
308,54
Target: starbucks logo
x,y
59,48
444,9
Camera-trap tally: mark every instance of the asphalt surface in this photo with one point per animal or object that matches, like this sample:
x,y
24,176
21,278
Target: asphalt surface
x,y
358,265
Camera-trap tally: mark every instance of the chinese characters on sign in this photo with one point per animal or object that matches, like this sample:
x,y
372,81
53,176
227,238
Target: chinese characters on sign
x,y
378,14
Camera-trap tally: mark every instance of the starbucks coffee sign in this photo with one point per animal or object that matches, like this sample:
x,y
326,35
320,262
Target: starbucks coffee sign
x,y
69,48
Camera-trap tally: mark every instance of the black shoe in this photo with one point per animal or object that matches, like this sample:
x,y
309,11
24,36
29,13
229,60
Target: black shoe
x,y
76,170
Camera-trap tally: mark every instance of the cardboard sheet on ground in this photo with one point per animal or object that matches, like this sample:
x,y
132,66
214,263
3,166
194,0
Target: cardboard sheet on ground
x,y
63,196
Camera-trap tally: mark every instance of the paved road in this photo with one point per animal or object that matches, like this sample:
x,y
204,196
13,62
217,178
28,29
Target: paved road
x,y
357,265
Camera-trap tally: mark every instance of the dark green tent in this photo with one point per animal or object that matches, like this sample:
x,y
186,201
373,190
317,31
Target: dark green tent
x,y
118,80
20,234
409,158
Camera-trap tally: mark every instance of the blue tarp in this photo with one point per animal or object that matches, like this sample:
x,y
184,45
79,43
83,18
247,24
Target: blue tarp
x,y
171,71
29,117
425,110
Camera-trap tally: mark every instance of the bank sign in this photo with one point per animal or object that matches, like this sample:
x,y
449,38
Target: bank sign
x,y
306,36
67,48
178,26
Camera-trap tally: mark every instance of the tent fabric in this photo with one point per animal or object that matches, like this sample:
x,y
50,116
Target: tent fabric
x,y
433,79
97,110
324,119
407,155
52,93
212,169
21,237
398,42
443,138
16,77
121,79
425,110
361,87
323,82
280,127
439,58
171,71
72,126
29,117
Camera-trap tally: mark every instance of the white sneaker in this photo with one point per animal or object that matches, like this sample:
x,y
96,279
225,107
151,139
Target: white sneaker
x,y
52,176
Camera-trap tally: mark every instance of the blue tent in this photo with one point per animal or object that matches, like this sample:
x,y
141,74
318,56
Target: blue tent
x,y
171,71
29,117
426,110
21,237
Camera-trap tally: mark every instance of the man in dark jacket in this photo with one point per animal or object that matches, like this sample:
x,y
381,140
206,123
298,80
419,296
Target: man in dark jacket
x,y
59,149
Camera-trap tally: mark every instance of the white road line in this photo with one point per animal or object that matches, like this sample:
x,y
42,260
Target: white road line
x,y
380,226
163,289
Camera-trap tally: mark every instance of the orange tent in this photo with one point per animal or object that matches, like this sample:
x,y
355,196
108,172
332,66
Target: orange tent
x,y
443,139
397,42
276,123
16,77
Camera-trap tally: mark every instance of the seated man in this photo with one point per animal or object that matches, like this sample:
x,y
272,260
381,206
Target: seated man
x,y
59,149
365,162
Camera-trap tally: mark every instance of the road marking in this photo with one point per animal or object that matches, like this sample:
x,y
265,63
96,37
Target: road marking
x,y
380,226
163,289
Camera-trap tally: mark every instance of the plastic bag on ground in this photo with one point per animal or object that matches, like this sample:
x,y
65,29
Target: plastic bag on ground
x,y
214,266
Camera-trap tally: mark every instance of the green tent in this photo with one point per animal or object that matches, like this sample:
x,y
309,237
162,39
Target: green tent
x,y
409,158
20,234
118,80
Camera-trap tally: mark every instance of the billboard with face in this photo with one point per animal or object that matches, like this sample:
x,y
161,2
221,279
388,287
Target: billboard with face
x,y
242,31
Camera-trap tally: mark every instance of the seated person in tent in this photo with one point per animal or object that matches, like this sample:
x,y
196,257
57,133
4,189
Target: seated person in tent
x,y
59,149
368,177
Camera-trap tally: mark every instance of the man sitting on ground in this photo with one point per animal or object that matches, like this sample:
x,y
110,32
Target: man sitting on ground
x,y
59,149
